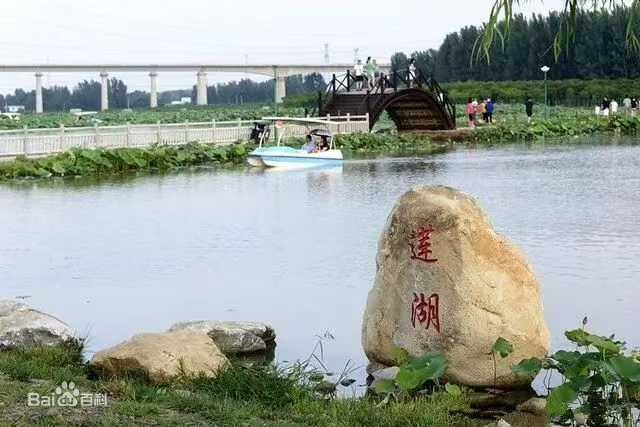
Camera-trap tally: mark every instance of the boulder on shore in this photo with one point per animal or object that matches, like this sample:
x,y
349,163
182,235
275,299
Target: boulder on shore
x,y
446,281
161,357
233,338
23,326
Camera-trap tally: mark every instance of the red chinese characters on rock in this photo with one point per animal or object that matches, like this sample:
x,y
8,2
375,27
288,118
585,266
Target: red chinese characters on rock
x,y
420,245
426,310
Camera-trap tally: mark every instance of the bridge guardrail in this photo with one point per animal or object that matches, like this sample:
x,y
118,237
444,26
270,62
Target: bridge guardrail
x,y
40,142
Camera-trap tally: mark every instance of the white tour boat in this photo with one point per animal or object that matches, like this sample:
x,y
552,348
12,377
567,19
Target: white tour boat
x,y
325,153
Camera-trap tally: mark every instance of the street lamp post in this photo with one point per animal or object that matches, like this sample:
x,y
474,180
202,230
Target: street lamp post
x,y
545,70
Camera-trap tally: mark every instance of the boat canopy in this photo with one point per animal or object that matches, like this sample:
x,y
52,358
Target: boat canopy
x,y
298,120
321,132
311,124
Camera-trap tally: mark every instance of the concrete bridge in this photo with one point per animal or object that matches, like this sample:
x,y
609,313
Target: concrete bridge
x,y
278,71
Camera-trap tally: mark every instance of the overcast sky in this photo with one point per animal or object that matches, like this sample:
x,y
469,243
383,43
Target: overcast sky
x,y
221,31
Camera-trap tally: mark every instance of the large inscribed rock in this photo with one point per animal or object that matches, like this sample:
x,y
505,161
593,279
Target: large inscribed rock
x,y
446,281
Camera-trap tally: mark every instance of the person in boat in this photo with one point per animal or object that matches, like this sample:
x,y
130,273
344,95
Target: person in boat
x,y
309,145
323,145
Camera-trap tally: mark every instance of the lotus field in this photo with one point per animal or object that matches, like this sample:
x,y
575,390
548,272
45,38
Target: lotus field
x,y
162,115
510,122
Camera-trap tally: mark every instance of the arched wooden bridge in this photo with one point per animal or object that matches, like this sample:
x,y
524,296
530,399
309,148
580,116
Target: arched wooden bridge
x,y
416,103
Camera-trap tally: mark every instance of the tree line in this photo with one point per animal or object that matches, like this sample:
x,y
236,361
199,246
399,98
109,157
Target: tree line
x,y
86,95
599,51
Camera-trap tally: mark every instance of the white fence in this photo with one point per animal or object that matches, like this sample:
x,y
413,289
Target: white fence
x,y
39,142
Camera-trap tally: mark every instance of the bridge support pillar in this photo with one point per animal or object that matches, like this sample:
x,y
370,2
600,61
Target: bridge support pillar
x,y
202,88
153,99
39,107
104,91
281,89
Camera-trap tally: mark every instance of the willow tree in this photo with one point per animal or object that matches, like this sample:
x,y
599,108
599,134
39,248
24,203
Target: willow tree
x,y
565,34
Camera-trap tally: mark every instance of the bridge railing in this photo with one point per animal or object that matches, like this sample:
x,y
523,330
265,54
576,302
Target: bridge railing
x,y
339,83
41,142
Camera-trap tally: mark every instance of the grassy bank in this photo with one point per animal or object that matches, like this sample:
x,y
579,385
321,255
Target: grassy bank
x,y
239,396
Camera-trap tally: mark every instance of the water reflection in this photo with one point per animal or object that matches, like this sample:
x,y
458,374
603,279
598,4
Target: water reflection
x,y
382,166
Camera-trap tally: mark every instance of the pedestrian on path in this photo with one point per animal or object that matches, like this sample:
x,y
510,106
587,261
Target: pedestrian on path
x,y
528,108
471,113
489,111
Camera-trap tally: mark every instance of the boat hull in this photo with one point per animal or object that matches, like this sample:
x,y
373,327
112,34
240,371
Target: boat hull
x,y
255,161
287,157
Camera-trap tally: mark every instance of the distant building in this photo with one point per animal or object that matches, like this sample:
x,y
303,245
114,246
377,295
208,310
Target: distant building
x,y
183,101
15,108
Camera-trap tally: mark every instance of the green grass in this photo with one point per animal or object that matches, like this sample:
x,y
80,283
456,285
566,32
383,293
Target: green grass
x,y
239,396
44,363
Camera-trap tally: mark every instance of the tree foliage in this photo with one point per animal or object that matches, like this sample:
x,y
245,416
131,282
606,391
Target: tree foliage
x,y
599,50
503,12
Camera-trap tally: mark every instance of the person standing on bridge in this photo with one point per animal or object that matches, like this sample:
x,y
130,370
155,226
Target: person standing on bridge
x,y
376,74
412,72
358,71
370,70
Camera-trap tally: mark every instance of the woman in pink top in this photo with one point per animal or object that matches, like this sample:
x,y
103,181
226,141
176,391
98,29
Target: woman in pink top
x,y
471,112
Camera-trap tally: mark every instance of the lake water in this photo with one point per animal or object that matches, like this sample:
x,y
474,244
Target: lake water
x,y
297,249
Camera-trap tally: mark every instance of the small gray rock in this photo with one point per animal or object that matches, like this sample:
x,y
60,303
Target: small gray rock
x,y
375,367
499,423
233,337
535,406
386,374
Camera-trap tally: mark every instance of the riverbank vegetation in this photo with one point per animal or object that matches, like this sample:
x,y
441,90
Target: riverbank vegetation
x,y
599,381
388,142
564,93
91,162
109,161
271,395
511,124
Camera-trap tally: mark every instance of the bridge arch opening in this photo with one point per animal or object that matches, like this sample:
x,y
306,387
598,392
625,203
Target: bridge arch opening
x,y
412,109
